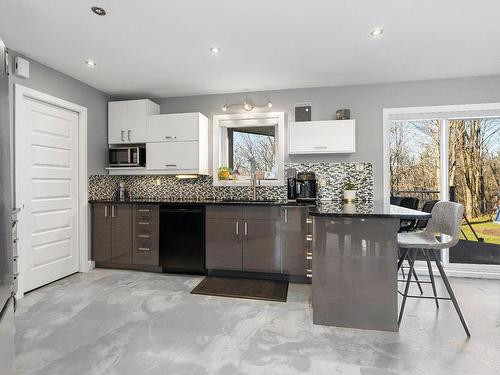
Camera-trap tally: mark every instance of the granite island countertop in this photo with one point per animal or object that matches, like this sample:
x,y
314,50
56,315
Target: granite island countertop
x,y
366,209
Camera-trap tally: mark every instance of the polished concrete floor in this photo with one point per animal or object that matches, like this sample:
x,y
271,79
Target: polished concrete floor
x,y
124,322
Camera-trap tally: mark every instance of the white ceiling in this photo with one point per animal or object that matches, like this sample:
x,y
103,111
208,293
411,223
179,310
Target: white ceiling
x,y
160,48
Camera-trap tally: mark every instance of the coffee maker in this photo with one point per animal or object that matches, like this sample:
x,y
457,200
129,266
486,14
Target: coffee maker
x,y
306,187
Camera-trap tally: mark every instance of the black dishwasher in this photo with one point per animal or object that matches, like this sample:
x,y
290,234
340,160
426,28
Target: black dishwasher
x,y
182,238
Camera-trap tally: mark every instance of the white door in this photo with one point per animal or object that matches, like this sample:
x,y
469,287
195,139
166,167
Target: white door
x,y
47,192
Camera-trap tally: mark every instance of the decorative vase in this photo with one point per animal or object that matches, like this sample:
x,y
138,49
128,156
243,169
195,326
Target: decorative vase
x,y
350,195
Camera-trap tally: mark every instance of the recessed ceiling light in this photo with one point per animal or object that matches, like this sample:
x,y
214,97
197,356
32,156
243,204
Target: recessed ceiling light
x,y
376,32
215,50
90,63
99,11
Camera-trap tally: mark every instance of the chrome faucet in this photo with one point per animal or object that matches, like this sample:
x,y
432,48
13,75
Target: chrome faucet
x,y
253,185
253,178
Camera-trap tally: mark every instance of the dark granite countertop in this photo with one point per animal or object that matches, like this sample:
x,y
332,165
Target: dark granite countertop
x,y
205,202
366,210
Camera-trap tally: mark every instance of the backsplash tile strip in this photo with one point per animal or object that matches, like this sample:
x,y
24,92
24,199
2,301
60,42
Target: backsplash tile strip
x,y
201,188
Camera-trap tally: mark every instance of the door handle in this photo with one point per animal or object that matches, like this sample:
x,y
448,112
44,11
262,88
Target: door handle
x,y
171,165
113,211
143,249
122,135
246,228
170,137
106,211
286,216
128,134
237,229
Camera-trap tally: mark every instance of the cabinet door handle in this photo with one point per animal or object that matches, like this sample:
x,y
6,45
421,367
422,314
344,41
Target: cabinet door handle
x,y
143,223
286,216
122,135
113,213
237,229
171,165
309,237
320,147
246,228
143,236
128,134
143,249
143,210
309,274
105,211
170,137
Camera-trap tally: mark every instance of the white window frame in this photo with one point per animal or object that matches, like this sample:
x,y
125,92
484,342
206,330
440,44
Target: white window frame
x,y
220,124
443,113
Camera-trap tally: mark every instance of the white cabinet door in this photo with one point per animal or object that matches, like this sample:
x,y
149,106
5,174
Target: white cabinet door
x,y
173,127
127,120
321,137
174,156
136,121
117,120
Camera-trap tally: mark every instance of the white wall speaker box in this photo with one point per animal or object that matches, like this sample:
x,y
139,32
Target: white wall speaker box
x,y
21,67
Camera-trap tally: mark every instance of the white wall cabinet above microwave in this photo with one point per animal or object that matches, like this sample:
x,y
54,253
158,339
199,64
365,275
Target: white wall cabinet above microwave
x,y
322,137
176,127
127,120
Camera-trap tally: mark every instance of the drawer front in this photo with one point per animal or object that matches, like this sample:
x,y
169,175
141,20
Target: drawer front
x,y
224,212
173,127
172,156
146,235
262,213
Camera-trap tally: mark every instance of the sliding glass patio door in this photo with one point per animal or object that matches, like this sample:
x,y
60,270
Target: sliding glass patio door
x,y
474,175
451,153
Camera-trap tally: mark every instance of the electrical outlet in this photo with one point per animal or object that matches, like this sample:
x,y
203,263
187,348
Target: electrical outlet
x,y
359,167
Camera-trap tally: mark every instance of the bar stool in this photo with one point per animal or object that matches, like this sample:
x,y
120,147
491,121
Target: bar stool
x,y
446,220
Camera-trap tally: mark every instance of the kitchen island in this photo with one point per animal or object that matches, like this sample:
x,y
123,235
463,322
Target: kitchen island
x,y
354,265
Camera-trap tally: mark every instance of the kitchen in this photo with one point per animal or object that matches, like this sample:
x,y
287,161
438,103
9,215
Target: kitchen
x,y
247,228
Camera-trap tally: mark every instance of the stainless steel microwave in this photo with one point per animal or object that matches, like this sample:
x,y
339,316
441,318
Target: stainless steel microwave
x,y
133,156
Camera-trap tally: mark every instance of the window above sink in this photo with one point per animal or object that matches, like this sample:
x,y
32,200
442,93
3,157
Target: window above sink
x,y
246,142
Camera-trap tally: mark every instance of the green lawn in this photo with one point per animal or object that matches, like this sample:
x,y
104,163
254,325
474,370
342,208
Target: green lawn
x,y
484,228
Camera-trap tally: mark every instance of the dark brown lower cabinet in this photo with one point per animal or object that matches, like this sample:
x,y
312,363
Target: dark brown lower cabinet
x,y
125,234
101,233
121,233
261,246
294,245
146,221
243,239
223,247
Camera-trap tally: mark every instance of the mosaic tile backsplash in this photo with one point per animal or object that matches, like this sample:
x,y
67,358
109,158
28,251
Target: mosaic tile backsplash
x,y
335,176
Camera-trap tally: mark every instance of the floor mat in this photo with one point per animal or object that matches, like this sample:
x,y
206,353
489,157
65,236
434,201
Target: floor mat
x,y
268,290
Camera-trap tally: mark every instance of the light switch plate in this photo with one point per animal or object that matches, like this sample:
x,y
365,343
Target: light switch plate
x,y
21,67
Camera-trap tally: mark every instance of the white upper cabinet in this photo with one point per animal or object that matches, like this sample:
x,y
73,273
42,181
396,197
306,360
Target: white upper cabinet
x,y
127,120
322,137
177,144
177,127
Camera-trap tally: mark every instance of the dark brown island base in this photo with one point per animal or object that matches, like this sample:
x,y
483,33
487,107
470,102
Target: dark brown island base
x,y
354,264
352,260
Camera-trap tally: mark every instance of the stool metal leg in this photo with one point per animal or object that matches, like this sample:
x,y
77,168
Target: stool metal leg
x,y
431,275
418,281
400,264
408,282
450,292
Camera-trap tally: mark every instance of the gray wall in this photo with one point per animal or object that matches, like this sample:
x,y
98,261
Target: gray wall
x,y
366,103
52,82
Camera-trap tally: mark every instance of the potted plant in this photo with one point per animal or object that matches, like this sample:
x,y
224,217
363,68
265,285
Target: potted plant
x,y
223,173
350,192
